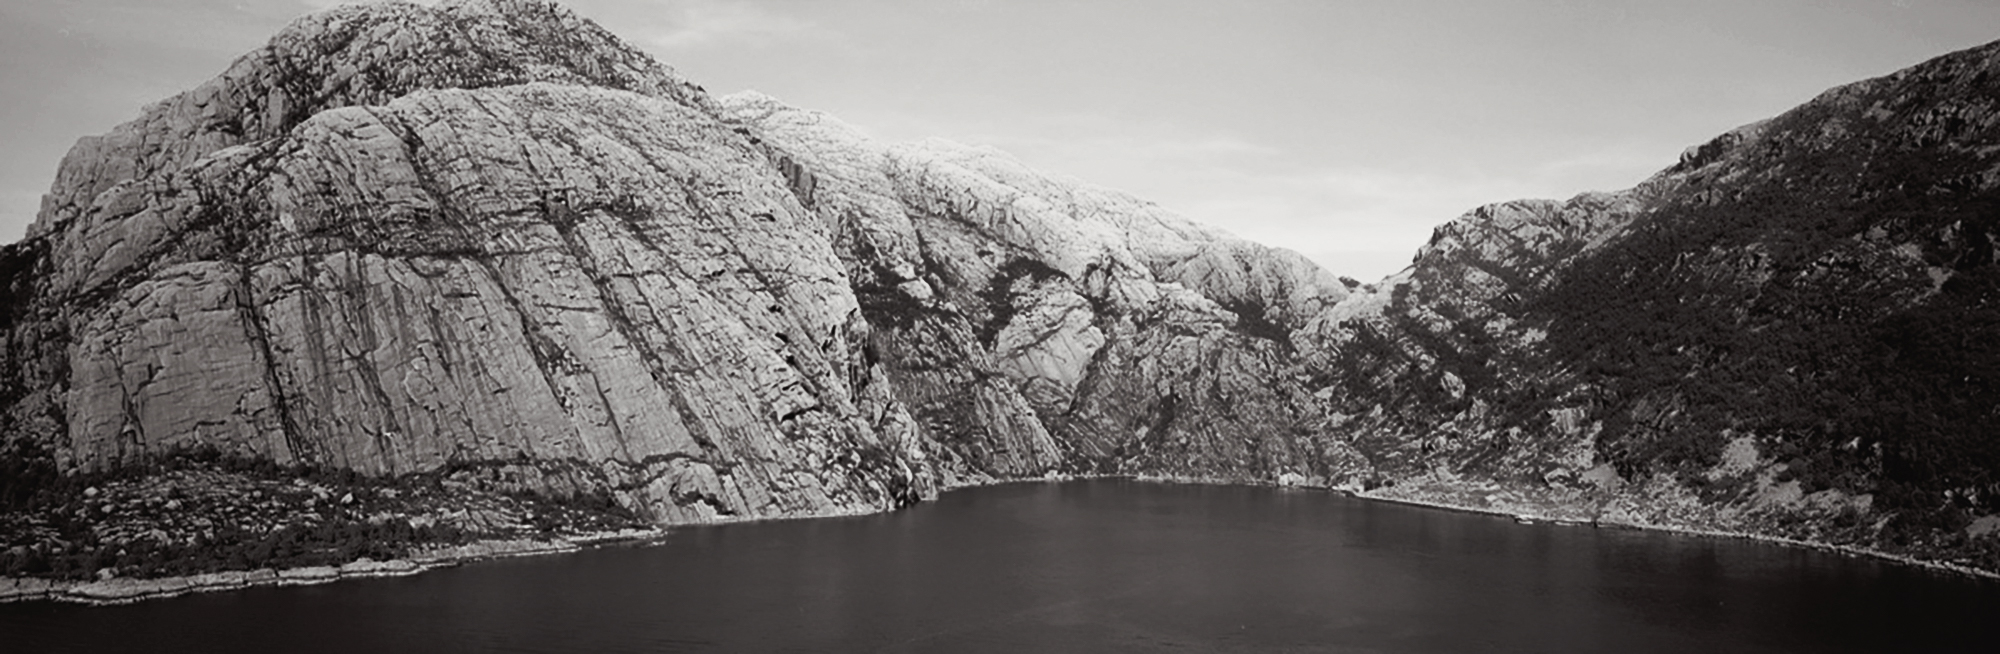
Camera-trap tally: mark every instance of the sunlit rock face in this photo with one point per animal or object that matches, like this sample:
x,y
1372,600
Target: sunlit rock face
x,y
400,239
487,236
1032,323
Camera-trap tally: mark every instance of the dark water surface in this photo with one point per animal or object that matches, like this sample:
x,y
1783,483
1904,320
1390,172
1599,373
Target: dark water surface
x,y
1092,566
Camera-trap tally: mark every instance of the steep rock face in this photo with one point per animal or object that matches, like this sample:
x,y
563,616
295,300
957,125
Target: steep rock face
x,y
1134,340
572,262
350,56
487,236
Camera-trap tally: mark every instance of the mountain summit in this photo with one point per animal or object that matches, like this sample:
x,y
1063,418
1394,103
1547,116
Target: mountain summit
x,y
481,271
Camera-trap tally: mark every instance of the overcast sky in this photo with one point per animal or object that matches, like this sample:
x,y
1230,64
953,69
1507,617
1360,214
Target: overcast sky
x,y
1343,130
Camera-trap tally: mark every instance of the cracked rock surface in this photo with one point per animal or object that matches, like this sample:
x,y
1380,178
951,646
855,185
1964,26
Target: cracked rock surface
x,y
540,246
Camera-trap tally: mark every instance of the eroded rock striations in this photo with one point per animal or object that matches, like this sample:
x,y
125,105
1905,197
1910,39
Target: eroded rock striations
x,y
489,248
486,241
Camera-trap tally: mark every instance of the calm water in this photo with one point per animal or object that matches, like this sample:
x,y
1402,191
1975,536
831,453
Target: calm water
x,y
1089,567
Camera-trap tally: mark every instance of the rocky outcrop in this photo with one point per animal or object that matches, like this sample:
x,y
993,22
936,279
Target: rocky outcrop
x,y
563,257
1083,329
400,240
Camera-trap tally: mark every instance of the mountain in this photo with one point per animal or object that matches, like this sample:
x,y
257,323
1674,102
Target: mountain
x,y
1790,332
486,255
412,277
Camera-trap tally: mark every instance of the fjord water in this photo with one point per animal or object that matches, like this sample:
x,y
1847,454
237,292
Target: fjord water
x,y
1092,566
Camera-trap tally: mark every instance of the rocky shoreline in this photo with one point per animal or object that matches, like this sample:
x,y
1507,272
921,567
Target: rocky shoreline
x,y
1599,523
129,590
1556,512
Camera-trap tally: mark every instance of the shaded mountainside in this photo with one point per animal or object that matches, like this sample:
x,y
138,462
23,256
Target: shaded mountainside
x,y
483,271
1792,331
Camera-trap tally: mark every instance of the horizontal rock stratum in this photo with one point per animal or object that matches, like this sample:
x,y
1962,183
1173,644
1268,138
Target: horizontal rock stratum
x,y
488,241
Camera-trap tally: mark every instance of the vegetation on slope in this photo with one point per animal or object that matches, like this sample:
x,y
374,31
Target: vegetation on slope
x,y
1831,289
201,510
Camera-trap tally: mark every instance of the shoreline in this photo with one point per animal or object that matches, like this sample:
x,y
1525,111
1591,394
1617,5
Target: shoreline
x,y
1531,518
131,590
128,590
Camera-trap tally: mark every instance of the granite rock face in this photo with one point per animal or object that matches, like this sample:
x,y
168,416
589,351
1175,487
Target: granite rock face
x,y
487,234
542,247
1032,324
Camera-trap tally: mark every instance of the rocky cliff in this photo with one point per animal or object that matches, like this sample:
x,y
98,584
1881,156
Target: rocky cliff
x,y
488,245
481,269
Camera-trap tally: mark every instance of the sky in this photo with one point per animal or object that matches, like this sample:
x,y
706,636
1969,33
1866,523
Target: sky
x,y
1345,130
